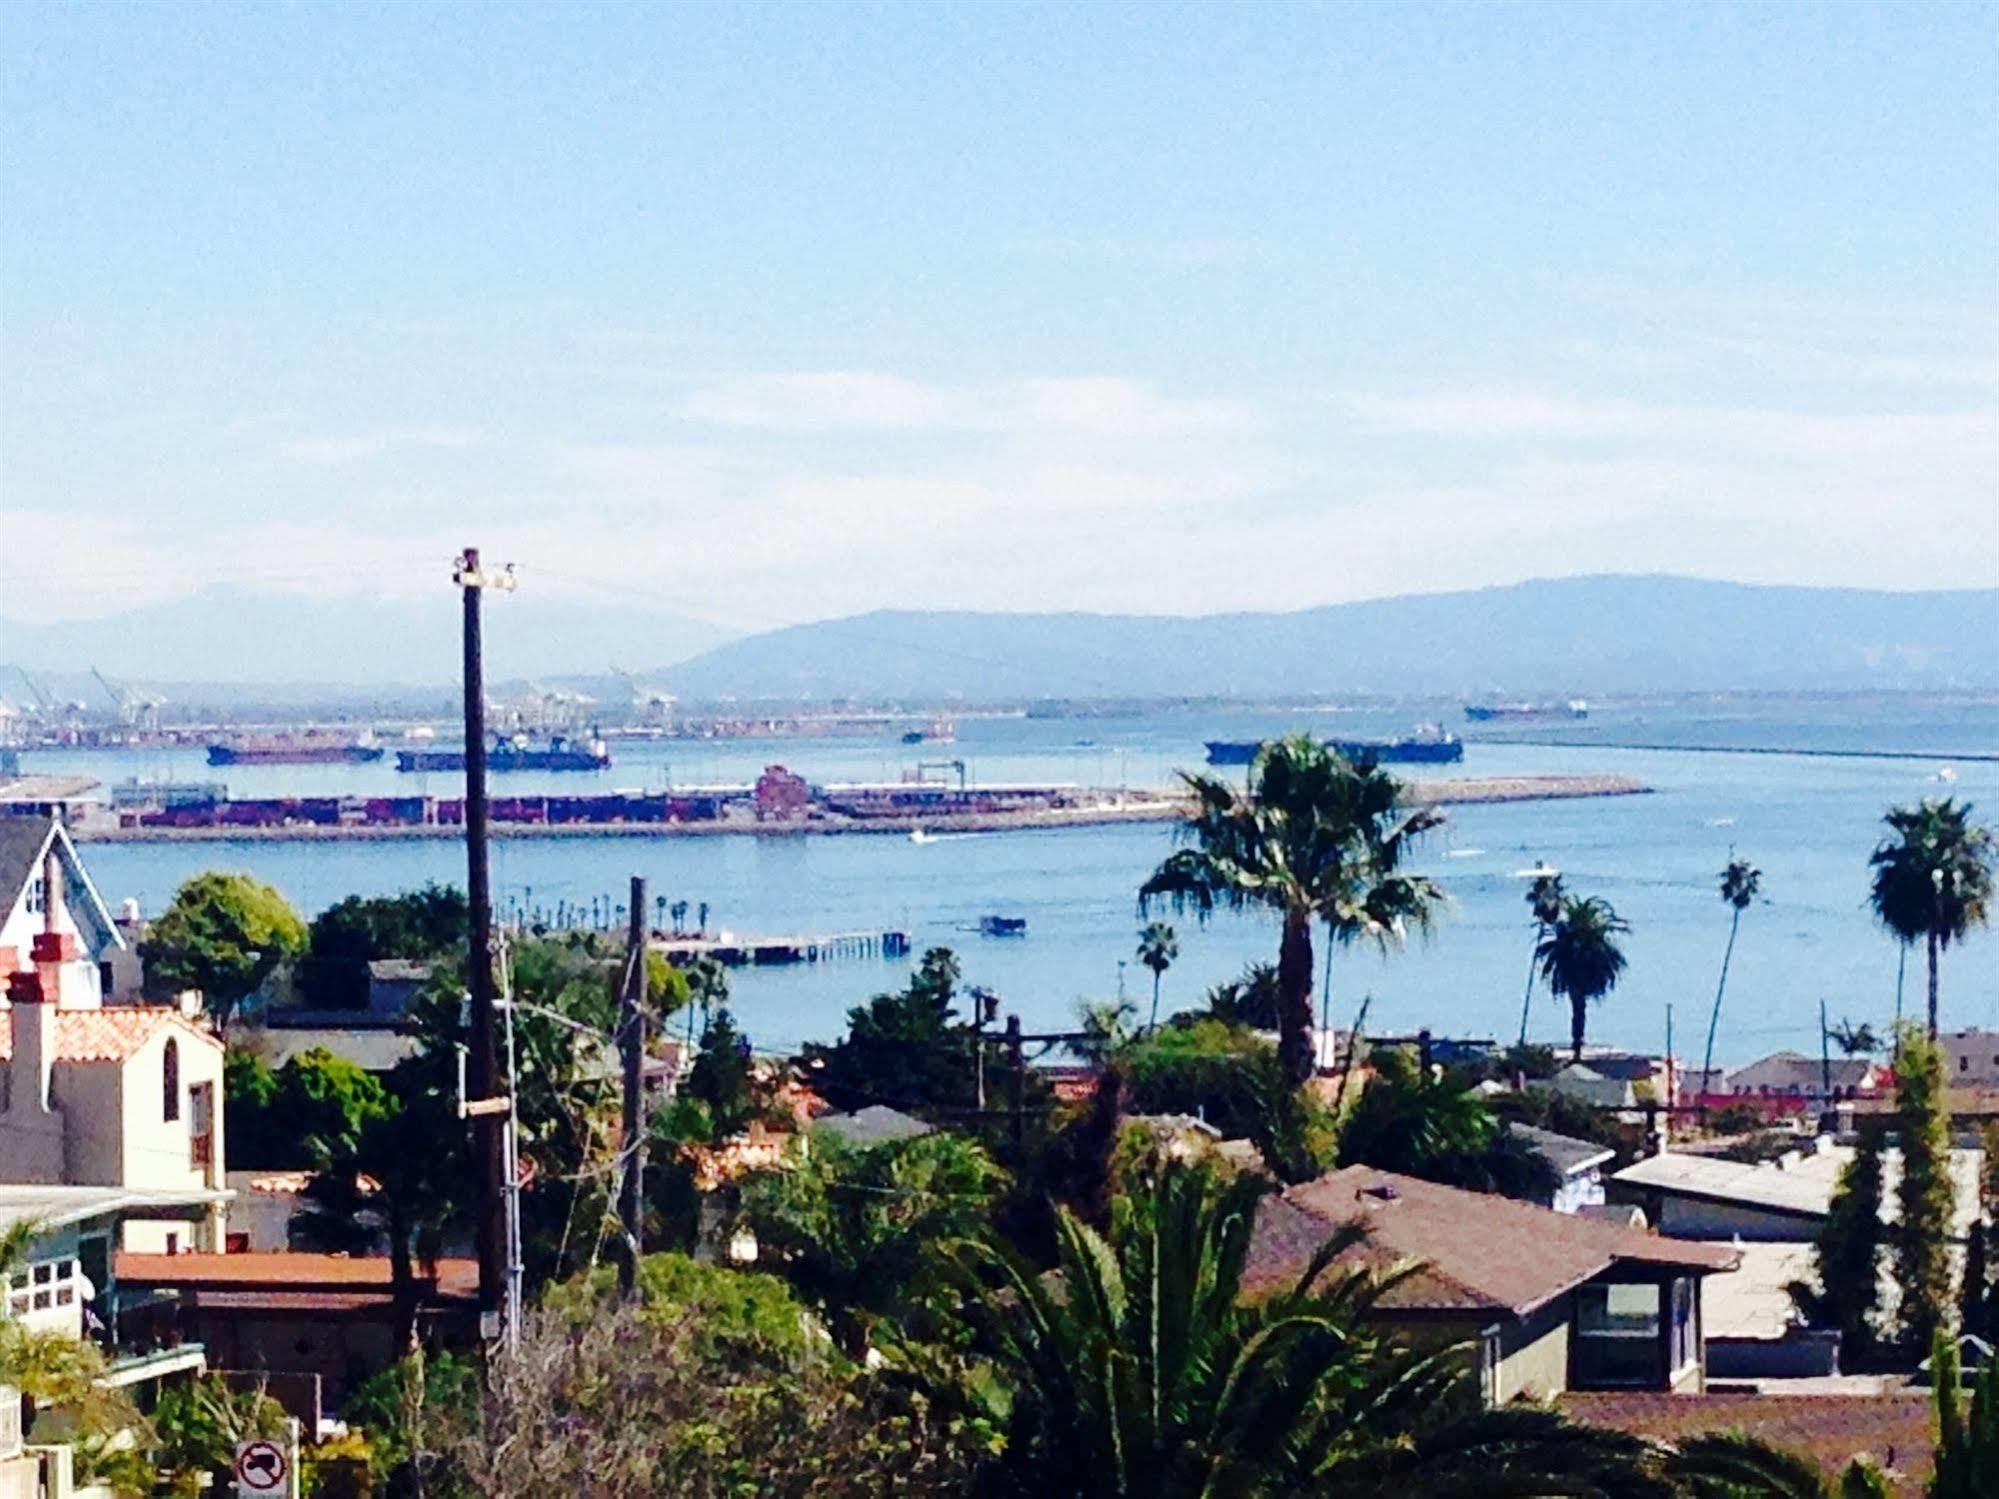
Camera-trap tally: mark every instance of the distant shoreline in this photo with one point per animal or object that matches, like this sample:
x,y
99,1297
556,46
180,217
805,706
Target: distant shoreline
x,y
1142,807
1933,757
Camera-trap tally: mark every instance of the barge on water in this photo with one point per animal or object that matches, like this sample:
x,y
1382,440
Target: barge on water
x,y
514,754
295,749
1427,746
1525,712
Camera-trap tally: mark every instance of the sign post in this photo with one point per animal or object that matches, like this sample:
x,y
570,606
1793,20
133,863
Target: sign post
x,y
264,1470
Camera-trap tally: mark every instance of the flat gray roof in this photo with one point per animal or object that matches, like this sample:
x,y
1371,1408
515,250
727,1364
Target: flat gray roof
x,y
58,1206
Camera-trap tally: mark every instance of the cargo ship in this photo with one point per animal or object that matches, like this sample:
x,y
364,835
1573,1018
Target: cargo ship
x,y
515,754
937,731
295,749
1429,745
1516,712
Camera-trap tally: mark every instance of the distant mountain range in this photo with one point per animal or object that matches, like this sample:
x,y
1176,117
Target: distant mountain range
x,y
1559,636
229,635
1567,635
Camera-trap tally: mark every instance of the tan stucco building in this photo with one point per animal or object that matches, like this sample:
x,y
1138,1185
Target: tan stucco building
x,y
93,1094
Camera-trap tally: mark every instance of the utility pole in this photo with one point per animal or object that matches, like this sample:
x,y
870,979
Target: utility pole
x,y
1016,1059
1672,1071
631,1050
488,1148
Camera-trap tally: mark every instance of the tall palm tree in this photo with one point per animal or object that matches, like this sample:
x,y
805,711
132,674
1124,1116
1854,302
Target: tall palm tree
x,y
1544,899
1313,838
1139,1368
1581,960
1932,878
1740,884
1158,946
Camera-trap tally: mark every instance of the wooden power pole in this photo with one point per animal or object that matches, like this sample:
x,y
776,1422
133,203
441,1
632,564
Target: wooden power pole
x,y
488,1155
631,1052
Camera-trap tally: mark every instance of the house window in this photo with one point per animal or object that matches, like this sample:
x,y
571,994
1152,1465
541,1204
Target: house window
x,y
1617,1335
170,1080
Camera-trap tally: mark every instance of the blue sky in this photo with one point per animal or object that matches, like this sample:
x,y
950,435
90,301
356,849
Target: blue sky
x,y
773,312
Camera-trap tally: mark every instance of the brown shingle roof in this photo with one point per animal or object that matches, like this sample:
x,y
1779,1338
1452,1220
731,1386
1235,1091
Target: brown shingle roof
x,y
1478,1253
1894,1430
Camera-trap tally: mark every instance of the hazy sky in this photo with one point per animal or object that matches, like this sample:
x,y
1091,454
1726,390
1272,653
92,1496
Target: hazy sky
x,y
776,312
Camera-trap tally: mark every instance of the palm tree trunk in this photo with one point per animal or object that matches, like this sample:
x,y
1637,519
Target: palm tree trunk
x,y
1153,1023
1578,1022
1527,1002
1714,1020
1901,968
1933,983
1294,998
1325,1000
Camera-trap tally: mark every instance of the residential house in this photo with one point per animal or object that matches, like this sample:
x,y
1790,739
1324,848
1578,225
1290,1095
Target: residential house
x,y
321,1321
1971,1057
1578,1167
1791,1082
877,1124
1552,1302
94,1094
1688,1196
1585,1084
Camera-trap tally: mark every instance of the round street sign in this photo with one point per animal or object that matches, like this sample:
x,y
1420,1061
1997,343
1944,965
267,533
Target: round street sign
x,y
261,1467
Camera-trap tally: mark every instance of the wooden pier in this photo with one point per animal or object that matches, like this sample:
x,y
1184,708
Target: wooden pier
x,y
739,952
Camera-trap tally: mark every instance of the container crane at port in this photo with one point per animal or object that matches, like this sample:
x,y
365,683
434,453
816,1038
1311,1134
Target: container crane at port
x,y
133,710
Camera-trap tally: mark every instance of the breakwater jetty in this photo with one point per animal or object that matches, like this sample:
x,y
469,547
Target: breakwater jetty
x,y
902,811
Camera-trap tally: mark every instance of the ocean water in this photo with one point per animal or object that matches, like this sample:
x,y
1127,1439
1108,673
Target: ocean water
x,y
1809,820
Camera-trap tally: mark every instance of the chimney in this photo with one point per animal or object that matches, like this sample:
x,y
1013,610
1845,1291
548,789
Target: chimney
x,y
54,948
31,1015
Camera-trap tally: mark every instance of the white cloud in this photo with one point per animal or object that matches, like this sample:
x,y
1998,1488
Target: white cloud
x,y
826,400
361,447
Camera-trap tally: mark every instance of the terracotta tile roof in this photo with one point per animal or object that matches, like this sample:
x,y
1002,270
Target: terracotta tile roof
x,y
1479,1253
107,1035
1894,1430
284,1271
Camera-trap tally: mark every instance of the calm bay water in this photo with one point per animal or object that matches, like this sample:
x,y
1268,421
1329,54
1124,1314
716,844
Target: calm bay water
x,y
1808,820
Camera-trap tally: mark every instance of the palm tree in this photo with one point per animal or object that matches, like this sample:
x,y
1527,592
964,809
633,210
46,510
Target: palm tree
x,y
1581,960
1932,878
1314,838
659,912
1740,883
701,922
1158,946
1854,1040
1544,899
679,910
1139,1368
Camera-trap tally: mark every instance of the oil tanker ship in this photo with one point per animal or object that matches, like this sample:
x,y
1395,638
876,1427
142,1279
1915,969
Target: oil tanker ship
x,y
514,754
295,749
1429,745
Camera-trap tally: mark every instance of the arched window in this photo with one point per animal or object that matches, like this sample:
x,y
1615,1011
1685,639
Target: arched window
x,y
170,1079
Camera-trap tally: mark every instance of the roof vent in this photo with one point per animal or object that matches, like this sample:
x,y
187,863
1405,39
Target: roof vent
x,y
1382,1192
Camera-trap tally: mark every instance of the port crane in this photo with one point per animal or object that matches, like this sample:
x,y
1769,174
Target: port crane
x,y
133,710
950,765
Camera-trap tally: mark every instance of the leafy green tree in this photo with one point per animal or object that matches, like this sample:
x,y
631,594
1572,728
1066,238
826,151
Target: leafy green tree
x,y
1315,838
853,1229
1740,884
907,1049
1544,899
1250,999
63,1377
346,937
1158,946
199,1424
308,1113
723,1078
1141,1368
1581,960
1439,1129
1926,1194
1848,1255
225,935
1980,1296
729,1307
1933,879
1967,1453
